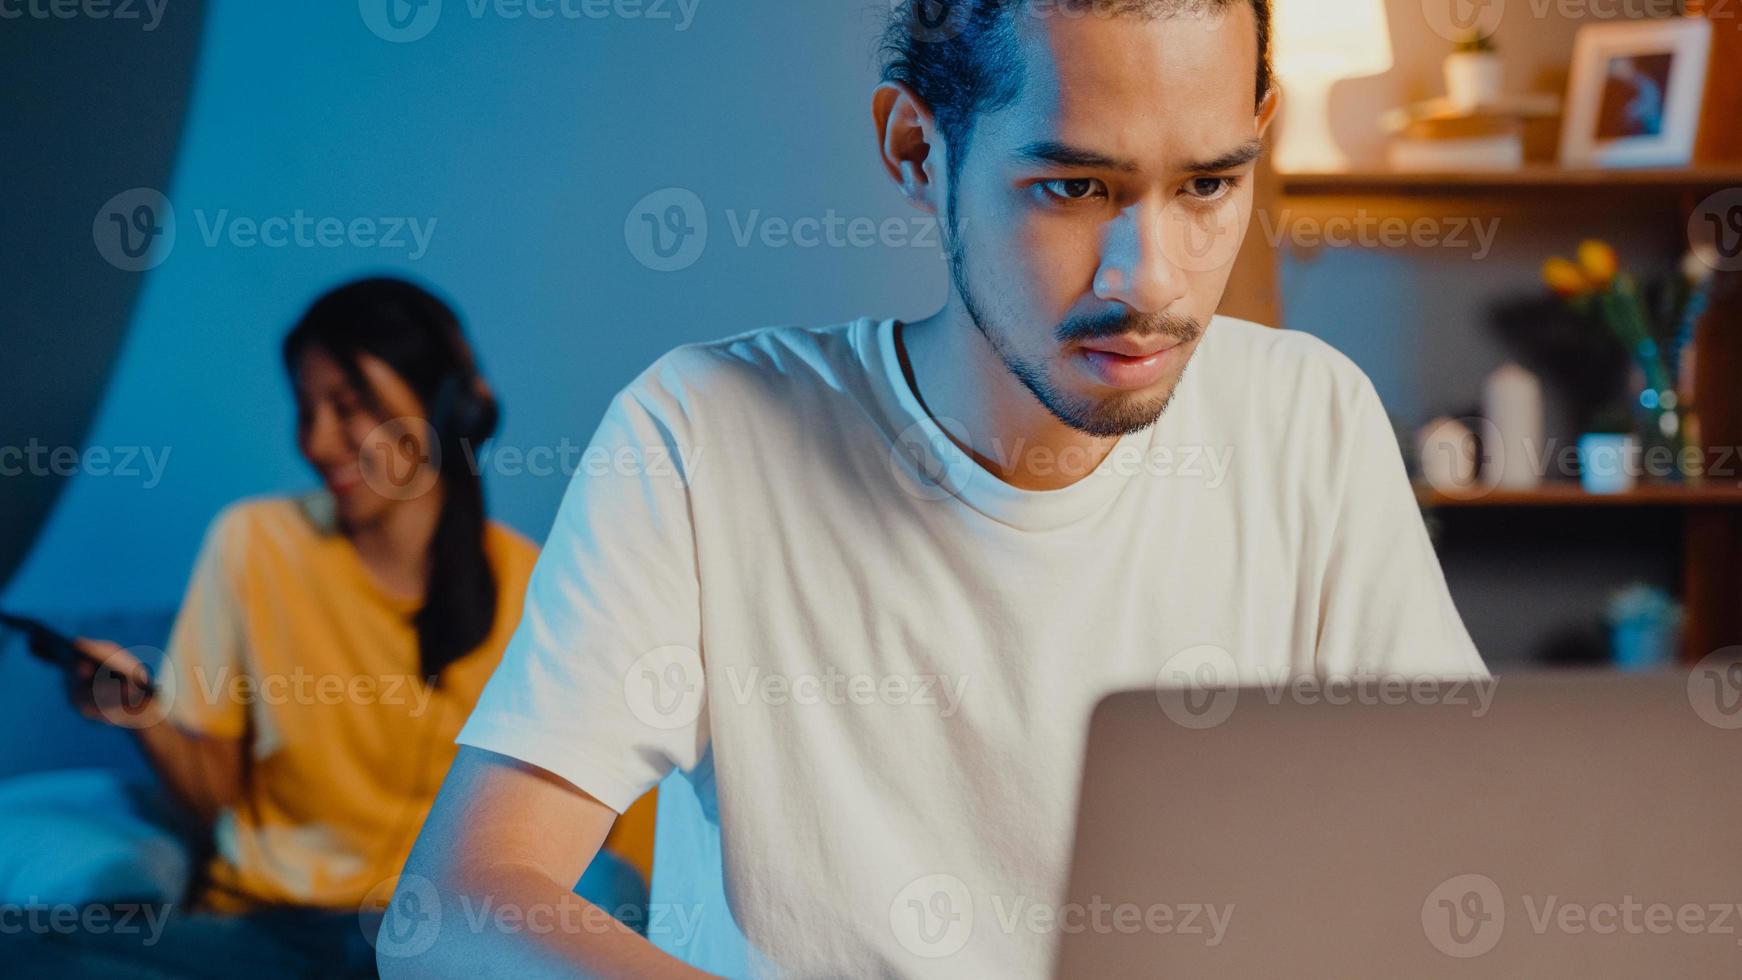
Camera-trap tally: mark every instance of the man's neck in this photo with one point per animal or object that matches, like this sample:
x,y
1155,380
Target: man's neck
x,y
959,377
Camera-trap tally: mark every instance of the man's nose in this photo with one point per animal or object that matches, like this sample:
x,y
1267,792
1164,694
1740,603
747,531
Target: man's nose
x,y
1135,268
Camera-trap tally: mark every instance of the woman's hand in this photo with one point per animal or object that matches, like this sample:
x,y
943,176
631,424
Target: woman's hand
x,y
110,684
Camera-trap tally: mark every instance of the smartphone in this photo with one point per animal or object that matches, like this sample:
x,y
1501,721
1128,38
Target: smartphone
x,y
50,646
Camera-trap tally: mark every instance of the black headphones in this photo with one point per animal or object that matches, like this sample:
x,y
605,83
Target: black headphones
x,y
462,408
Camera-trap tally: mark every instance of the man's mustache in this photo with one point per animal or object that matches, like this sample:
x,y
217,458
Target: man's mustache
x,y
1185,329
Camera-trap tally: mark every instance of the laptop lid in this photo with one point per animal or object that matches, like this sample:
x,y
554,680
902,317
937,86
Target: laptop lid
x,y
1544,826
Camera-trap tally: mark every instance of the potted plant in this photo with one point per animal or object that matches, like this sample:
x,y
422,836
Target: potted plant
x,y
1653,321
1475,76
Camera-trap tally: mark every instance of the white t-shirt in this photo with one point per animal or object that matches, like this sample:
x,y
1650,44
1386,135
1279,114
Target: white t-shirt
x,y
773,563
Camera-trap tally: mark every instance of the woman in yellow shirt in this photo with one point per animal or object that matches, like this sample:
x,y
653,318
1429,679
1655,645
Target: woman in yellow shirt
x,y
330,646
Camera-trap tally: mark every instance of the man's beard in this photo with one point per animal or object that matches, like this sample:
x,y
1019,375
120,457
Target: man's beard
x,y
1109,418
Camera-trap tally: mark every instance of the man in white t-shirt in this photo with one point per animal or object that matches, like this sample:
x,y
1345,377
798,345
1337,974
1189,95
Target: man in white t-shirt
x,y
865,583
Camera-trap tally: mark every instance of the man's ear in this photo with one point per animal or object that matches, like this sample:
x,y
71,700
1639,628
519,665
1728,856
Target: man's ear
x,y
1267,109
909,144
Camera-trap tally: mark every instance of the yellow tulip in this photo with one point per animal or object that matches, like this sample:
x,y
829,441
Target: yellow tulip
x,y
1564,277
1599,263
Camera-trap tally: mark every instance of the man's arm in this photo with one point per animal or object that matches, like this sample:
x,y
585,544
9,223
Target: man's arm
x,y
505,844
1384,608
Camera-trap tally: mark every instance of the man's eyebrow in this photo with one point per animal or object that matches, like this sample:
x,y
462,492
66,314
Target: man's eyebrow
x,y
1064,155
1060,154
1247,152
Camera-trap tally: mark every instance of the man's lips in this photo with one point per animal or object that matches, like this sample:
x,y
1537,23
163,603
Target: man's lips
x,y
1132,347
1129,363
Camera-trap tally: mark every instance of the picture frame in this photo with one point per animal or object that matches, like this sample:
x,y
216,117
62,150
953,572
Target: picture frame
x,y
1635,93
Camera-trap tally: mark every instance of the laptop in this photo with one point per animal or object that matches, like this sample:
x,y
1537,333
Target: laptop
x,y
1557,825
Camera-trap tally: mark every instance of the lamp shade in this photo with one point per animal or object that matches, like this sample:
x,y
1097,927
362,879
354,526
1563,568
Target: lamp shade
x,y
1317,43
1331,38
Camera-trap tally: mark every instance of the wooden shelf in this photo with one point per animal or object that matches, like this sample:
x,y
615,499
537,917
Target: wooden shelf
x,y
1572,495
1532,179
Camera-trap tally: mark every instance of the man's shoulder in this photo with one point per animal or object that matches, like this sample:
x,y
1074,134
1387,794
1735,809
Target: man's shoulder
x,y
759,362
1288,364
1286,351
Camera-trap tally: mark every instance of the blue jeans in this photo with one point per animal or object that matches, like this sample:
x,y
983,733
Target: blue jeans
x,y
266,945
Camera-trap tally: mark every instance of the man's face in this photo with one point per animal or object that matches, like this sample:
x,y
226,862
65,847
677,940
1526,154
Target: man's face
x,y
1096,219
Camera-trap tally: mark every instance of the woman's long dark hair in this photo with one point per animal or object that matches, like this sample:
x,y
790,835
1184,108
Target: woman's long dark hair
x,y
419,337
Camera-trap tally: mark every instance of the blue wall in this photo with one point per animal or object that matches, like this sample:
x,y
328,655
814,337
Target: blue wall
x,y
526,143
525,148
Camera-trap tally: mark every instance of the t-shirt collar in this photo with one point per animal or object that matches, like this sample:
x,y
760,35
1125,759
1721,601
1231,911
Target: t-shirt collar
x,y
934,467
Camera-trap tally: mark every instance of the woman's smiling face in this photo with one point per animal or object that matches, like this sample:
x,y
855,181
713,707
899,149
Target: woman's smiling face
x,y
371,448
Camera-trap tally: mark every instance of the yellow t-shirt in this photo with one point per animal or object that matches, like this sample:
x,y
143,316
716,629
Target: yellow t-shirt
x,y
286,641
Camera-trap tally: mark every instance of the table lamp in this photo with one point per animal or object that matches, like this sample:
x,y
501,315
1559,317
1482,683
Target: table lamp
x,y
1318,43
